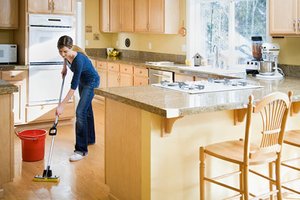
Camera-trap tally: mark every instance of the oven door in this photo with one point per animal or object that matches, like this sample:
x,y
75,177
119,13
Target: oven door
x,y
43,43
45,83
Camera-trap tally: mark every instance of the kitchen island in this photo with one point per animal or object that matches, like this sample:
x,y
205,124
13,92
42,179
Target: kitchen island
x,y
153,135
6,133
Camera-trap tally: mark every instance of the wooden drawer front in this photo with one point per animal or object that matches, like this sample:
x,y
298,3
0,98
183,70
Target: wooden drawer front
x,y
126,69
113,67
140,71
14,75
101,65
140,80
47,112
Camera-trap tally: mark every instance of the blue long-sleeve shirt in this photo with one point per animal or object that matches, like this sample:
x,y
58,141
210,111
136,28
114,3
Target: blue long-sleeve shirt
x,y
84,72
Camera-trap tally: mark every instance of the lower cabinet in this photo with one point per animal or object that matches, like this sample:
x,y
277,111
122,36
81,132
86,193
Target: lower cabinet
x,y
19,79
183,77
141,76
44,113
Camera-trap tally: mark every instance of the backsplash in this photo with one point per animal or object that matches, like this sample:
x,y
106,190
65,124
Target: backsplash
x,y
139,55
290,70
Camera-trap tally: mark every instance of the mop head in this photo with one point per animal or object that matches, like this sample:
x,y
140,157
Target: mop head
x,y
39,178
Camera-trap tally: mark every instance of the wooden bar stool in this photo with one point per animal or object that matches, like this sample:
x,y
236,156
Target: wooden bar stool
x,y
292,138
245,152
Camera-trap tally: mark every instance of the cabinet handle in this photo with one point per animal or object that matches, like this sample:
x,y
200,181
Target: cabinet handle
x,y
49,6
294,25
298,25
53,5
12,76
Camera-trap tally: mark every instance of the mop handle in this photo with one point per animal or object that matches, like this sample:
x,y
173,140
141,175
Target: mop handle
x,y
59,100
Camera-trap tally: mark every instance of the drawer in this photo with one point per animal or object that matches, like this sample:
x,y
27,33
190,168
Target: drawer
x,y
43,113
101,65
113,67
140,80
139,71
14,75
126,69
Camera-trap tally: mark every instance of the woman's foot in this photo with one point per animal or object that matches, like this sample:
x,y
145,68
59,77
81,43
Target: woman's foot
x,y
76,156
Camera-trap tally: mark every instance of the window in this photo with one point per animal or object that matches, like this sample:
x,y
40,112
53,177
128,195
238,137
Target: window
x,y
225,27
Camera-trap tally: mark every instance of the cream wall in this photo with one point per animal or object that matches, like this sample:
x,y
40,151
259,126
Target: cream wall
x,y
289,50
92,19
6,37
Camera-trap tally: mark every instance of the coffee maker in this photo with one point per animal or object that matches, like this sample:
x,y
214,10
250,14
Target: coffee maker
x,y
268,68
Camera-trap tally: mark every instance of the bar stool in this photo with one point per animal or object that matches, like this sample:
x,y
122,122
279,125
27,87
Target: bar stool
x,y
292,138
273,110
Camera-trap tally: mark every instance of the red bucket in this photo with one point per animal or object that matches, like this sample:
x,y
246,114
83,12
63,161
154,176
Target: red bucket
x,y
33,144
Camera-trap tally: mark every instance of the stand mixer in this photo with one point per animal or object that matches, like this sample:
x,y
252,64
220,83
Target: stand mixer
x,y
268,67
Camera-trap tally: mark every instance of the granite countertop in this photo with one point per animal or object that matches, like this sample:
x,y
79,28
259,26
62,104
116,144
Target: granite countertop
x,y
13,67
170,103
7,88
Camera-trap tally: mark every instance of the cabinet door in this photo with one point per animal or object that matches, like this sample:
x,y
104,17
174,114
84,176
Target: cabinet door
x,y
19,102
182,77
114,16
63,6
113,79
140,80
127,15
103,78
9,14
126,79
104,15
156,16
283,17
41,6
141,16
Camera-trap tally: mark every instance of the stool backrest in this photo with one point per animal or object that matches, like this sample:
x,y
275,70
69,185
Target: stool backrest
x,y
273,110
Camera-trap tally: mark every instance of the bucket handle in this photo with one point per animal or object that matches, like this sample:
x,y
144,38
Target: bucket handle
x,y
22,137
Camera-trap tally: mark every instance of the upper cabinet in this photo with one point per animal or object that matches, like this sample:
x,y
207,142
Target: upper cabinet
x,y
117,15
284,17
157,16
51,6
9,14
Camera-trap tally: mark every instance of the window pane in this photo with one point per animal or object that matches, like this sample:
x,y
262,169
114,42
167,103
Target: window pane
x,y
229,25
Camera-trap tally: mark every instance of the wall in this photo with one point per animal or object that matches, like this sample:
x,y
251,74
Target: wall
x,y
6,37
289,50
160,43
102,40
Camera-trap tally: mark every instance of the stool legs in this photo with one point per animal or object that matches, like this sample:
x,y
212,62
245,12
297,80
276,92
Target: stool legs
x,y
202,171
278,179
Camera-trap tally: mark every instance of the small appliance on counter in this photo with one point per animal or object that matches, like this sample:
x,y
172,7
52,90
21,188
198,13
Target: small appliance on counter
x,y
269,65
8,53
253,65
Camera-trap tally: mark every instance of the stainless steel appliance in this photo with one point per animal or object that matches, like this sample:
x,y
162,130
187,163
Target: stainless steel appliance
x,y
157,76
8,53
268,67
45,63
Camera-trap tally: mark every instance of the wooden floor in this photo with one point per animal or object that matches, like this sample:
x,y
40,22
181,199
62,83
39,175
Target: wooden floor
x,y
78,180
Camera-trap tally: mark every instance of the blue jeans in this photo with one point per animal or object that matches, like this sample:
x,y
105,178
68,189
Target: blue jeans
x,y
85,130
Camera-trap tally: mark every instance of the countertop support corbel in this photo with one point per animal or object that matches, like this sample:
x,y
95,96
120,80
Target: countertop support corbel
x,y
167,125
295,108
239,115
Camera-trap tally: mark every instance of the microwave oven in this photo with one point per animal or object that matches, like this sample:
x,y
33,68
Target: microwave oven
x,y
8,53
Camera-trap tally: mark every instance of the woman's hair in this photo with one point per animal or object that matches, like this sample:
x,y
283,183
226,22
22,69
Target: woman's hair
x,y
65,41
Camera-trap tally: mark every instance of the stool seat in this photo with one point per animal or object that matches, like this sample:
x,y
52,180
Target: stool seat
x,y
233,151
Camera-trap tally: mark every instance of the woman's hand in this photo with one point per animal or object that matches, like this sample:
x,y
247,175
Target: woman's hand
x,y
59,110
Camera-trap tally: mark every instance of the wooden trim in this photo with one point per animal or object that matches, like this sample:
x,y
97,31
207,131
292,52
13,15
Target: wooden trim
x,y
1,192
167,125
295,108
239,115
110,196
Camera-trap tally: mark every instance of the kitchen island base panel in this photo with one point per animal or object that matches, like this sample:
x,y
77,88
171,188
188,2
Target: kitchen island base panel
x,y
1,192
166,168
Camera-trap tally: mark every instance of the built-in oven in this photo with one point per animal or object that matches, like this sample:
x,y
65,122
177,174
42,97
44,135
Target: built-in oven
x,y
45,63
157,76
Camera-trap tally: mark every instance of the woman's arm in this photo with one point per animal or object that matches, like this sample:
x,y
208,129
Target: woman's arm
x,y
60,107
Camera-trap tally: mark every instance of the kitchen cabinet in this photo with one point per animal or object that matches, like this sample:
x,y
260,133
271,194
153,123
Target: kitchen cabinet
x,y
284,17
140,76
157,16
119,75
9,14
117,15
51,6
102,71
7,141
19,79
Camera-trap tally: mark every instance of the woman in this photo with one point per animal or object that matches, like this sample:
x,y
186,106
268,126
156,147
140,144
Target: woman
x,y
86,78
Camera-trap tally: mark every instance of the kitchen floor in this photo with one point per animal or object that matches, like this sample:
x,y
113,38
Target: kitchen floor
x,y
78,180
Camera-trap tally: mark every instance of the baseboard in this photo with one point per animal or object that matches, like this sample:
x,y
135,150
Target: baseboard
x,y
44,125
112,197
1,193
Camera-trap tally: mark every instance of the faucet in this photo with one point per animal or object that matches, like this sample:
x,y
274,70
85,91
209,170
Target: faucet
x,y
216,56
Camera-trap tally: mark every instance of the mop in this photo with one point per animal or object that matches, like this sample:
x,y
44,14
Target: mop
x,y
47,173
